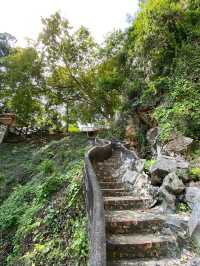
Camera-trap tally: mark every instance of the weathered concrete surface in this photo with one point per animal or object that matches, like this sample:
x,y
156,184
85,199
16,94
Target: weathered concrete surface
x,y
163,166
192,195
194,223
3,130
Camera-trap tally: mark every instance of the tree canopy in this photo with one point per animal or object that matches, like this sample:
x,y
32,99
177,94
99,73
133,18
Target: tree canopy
x,y
67,76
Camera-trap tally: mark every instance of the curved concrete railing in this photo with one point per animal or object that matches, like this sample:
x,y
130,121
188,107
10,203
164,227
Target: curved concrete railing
x,y
95,205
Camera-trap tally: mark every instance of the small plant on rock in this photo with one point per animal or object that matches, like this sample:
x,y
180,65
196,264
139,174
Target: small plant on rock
x,y
148,165
195,173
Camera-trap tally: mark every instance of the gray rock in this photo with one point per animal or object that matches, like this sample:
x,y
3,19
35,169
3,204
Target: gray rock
x,y
173,184
152,138
179,144
194,262
179,227
163,166
152,135
168,201
192,195
127,164
183,174
130,176
182,164
171,187
139,165
176,222
141,181
194,223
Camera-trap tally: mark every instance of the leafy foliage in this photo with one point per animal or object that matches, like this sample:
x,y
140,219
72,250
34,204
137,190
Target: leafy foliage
x,y
195,173
163,50
43,220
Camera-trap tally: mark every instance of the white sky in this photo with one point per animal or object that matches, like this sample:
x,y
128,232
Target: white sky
x,y
21,18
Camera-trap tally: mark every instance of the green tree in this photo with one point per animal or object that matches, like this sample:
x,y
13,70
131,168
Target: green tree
x,y
6,43
163,63
81,74
21,89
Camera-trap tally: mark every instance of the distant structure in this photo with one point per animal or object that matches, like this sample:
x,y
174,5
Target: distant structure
x,y
91,129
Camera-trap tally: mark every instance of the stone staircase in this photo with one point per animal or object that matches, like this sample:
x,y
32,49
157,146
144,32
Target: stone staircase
x,y
134,232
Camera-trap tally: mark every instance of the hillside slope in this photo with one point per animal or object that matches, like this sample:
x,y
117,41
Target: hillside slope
x,y
42,212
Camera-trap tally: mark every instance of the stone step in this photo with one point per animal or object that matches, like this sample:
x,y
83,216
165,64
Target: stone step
x,y
108,163
108,179
143,262
115,192
104,173
124,203
141,246
111,185
125,222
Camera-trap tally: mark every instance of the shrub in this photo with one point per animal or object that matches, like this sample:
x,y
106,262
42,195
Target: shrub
x,y
148,164
195,173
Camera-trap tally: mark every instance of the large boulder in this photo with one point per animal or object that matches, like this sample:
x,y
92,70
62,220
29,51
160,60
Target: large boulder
x,y
184,175
163,166
178,144
171,187
152,137
139,165
168,201
173,184
194,262
194,223
181,163
128,164
178,224
192,195
130,176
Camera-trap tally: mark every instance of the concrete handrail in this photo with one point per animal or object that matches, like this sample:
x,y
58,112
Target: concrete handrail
x,y
95,205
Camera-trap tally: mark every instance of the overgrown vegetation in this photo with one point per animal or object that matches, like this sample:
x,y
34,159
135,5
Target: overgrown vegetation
x,y
183,207
163,51
150,72
151,67
42,212
195,173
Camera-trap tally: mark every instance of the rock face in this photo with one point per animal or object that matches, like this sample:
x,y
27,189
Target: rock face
x,y
194,262
192,195
152,138
165,165
179,144
171,187
139,165
168,201
152,135
173,184
129,176
184,175
162,167
194,223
